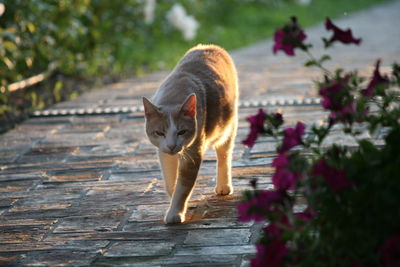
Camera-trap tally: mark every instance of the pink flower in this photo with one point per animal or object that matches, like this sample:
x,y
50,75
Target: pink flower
x,y
375,81
336,179
333,94
390,251
282,161
307,215
256,127
336,97
283,178
274,230
267,198
243,211
256,208
346,114
288,38
292,137
271,255
345,37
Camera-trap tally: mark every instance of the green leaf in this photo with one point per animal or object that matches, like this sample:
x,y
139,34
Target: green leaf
x,y
3,98
367,146
311,63
324,58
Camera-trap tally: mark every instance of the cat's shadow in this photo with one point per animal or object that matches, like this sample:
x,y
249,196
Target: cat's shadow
x,y
211,208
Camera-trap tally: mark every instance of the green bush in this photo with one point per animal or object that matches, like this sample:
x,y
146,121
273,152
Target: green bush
x,y
98,38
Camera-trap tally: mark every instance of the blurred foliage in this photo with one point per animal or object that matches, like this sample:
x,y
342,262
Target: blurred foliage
x,y
89,37
98,38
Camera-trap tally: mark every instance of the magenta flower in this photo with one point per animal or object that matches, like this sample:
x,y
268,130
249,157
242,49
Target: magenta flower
x,y
390,251
283,177
376,80
345,37
334,93
288,38
244,212
271,255
256,127
282,161
346,114
336,179
292,137
275,229
307,215
263,202
336,97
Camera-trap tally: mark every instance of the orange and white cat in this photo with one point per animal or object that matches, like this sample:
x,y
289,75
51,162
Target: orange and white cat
x,y
193,109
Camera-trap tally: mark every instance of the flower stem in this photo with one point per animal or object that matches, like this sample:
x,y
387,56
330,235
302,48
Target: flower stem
x,y
318,64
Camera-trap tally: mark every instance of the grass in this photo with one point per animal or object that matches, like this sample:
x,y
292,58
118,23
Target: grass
x,y
233,25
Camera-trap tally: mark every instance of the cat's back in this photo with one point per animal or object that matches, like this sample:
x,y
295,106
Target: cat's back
x,y
210,59
209,69
214,67
206,54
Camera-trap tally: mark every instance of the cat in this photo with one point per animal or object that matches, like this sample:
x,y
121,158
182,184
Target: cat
x,y
194,108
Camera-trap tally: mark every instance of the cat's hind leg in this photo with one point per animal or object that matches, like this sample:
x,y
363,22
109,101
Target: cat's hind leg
x,y
224,167
169,167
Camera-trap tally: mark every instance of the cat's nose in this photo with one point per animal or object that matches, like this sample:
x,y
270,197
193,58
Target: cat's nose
x,y
171,147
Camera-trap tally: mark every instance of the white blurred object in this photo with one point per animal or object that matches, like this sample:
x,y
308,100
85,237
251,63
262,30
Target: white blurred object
x,y
2,9
304,2
187,24
149,8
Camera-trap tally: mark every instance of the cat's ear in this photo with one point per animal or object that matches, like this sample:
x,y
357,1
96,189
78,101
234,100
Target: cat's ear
x,y
150,110
189,106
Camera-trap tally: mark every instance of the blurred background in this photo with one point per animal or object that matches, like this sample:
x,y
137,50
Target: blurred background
x,y
52,50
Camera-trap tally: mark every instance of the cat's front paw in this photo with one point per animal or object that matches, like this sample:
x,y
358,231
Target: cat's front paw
x,y
223,190
174,217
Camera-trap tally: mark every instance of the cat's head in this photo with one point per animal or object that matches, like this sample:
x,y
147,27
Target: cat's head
x,y
171,128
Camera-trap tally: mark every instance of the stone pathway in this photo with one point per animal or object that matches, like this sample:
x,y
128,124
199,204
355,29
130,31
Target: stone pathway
x,y
86,190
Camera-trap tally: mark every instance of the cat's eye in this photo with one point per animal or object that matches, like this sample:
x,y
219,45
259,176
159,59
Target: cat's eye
x,y
181,132
158,133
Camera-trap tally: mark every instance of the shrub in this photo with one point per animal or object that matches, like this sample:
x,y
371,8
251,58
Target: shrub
x,y
349,195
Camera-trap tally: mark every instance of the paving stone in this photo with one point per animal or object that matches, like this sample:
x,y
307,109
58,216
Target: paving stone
x,y
41,207
218,237
139,248
57,258
199,260
5,203
148,213
27,246
26,222
50,198
118,176
216,250
137,235
20,176
203,223
43,154
90,223
15,186
21,233
8,259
